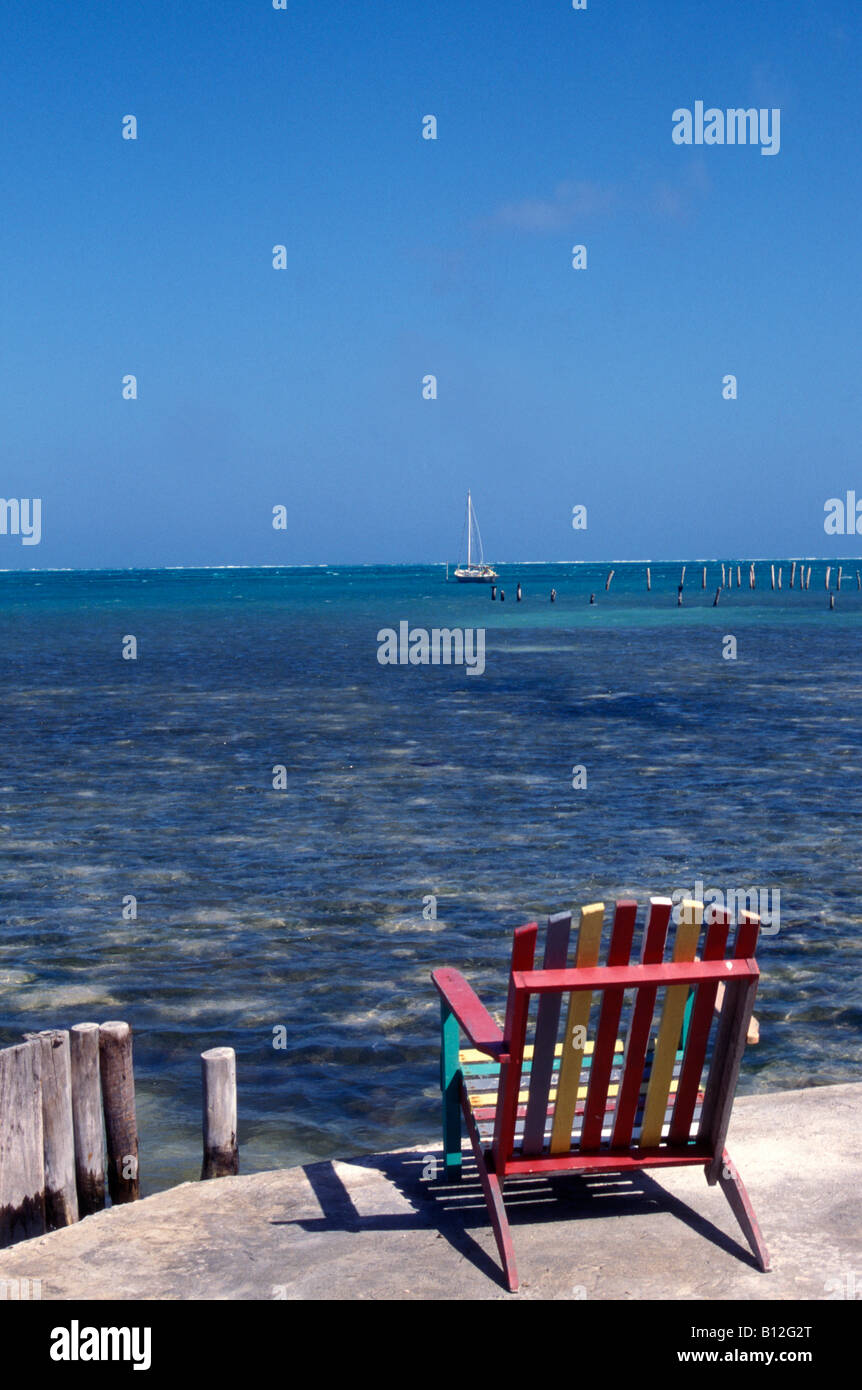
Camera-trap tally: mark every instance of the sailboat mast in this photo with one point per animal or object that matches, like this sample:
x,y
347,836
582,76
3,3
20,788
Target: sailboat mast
x,y
469,531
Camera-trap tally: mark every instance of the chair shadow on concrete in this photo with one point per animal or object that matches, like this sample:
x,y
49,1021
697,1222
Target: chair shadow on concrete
x,y
454,1209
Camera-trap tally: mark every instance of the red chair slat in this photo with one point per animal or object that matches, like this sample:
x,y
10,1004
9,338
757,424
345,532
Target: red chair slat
x,y
698,1032
609,1022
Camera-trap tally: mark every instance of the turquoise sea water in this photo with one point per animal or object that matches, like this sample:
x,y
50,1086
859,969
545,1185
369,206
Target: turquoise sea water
x,y
302,907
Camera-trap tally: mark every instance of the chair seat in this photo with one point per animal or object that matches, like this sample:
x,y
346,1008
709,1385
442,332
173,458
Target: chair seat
x,y
481,1076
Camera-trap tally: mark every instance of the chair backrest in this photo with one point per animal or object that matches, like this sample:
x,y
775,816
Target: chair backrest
x,y
607,1075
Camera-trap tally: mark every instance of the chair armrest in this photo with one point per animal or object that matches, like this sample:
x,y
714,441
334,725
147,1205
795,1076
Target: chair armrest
x,y
484,1034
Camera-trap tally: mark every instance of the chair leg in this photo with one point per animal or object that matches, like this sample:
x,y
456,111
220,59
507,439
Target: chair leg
x,y
450,1085
733,1188
492,1190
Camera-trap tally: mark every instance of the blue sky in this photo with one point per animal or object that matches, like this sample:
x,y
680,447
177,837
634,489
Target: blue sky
x,y
302,387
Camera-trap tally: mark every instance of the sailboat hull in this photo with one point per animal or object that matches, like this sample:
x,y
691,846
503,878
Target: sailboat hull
x,y
474,575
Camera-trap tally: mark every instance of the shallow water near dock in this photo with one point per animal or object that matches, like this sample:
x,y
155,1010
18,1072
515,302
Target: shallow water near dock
x,y
302,908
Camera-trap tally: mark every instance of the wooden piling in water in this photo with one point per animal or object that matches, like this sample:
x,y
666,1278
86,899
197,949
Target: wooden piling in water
x,y
221,1152
808,579
608,580
682,577
792,573
87,1117
717,596
58,1135
751,576
780,572
838,582
703,581
118,1093
828,572
831,601
772,573
22,1162
739,576
722,577
858,580
648,579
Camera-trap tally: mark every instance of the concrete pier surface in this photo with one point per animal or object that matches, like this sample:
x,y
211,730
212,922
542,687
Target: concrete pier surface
x,y
379,1227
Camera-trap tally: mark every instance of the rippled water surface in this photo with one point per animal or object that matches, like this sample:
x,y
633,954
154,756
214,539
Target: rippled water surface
x,y
302,907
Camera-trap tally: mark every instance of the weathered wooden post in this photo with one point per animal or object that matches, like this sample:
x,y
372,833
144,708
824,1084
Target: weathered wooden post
x,y
682,577
828,572
648,578
780,572
87,1117
838,582
717,596
22,1160
792,573
608,580
808,578
118,1092
772,572
751,576
723,581
703,584
739,576
221,1152
858,580
58,1134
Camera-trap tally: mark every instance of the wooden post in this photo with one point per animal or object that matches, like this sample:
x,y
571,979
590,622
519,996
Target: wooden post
x,y
682,577
58,1135
703,584
808,579
780,572
22,1162
831,601
648,579
739,576
717,595
858,581
608,580
792,573
772,572
840,572
118,1092
722,577
751,577
221,1153
87,1118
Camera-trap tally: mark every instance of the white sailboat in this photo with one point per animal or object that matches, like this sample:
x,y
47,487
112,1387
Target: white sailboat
x,y
474,572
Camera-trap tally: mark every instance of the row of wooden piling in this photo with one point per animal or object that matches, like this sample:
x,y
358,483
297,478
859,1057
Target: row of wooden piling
x,y
57,1088
727,576
68,1123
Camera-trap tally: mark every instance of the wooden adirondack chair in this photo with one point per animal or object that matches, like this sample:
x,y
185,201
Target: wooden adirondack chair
x,y
568,1102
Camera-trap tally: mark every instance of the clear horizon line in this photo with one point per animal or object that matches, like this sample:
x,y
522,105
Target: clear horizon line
x,y
426,564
